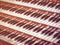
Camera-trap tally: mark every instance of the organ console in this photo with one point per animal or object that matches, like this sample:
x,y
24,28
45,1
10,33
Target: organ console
x,y
29,22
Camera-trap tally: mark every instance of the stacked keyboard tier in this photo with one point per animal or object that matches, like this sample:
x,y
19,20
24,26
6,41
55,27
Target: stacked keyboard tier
x,y
21,38
41,16
34,24
49,5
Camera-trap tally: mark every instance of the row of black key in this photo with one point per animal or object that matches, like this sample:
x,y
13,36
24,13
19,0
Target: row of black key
x,y
43,3
23,38
31,26
55,18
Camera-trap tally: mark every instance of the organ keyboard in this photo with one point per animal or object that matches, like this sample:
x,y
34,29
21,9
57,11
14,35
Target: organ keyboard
x,y
42,16
17,37
53,6
36,22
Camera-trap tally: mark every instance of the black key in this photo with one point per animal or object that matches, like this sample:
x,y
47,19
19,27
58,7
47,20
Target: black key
x,y
52,43
44,31
47,16
58,42
58,37
12,36
28,41
31,27
43,16
35,1
6,7
47,43
36,15
6,19
21,24
51,33
2,33
28,13
54,19
23,39
45,3
19,38
40,3
38,43
52,4
13,22
26,1
31,42
1,17
58,33
58,6
27,26
38,29
58,20
47,32
13,9
5,33
43,43
51,18
20,11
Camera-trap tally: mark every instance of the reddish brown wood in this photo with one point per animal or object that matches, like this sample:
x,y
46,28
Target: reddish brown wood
x,y
4,42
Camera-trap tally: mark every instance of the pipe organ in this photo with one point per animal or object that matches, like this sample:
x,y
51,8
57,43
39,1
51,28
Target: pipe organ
x,y
29,22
